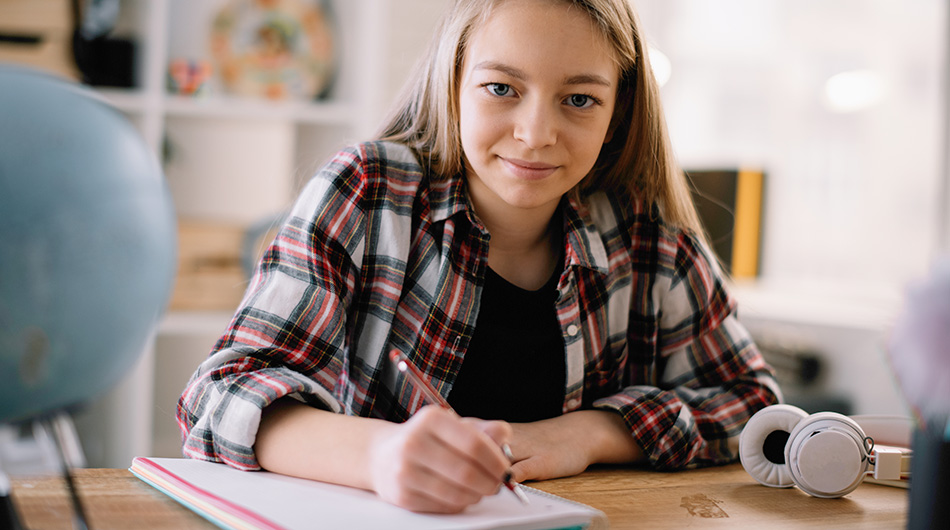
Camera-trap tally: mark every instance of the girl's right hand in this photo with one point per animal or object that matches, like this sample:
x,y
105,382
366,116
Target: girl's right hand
x,y
438,461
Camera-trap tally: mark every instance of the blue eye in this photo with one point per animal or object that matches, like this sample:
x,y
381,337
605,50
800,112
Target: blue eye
x,y
580,101
499,89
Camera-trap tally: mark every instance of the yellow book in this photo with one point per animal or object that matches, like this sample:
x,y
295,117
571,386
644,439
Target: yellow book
x,y
730,203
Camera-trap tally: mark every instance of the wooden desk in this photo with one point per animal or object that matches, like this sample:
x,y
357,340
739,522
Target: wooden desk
x,y
723,497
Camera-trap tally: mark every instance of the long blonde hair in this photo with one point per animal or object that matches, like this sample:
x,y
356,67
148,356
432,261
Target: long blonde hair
x,y
637,159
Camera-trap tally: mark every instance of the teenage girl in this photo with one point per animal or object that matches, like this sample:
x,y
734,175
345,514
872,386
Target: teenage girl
x,y
521,232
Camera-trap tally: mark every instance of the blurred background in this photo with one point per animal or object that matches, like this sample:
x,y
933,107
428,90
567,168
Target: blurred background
x,y
825,119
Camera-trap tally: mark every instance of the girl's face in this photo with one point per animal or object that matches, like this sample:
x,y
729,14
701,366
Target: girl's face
x,y
537,93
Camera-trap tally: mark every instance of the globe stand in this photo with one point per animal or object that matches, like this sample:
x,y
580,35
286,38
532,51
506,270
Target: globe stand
x,y
8,516
57,427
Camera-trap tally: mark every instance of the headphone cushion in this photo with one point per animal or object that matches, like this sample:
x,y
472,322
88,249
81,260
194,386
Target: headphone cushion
x,y
762,444
826,455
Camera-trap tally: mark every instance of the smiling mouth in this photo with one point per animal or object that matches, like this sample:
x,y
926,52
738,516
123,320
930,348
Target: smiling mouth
x,y
528,170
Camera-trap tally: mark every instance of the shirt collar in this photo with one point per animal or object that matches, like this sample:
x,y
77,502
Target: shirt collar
x,y
584,246
447,197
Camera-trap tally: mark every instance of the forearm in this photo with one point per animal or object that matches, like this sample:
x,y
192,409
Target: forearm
x,y
566,445
606,437
435,462
295,439
683,426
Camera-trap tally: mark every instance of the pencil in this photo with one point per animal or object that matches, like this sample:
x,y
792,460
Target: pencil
x,y
418,379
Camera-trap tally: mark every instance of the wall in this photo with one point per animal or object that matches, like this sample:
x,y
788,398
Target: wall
x,y
856,189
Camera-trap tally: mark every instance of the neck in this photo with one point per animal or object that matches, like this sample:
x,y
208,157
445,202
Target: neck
x,y
525,244
520,232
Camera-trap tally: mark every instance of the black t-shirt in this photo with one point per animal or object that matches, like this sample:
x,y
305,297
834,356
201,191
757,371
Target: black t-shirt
x,y
514,367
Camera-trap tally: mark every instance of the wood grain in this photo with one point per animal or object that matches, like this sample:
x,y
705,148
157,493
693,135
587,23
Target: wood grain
x,y
723,497
719,497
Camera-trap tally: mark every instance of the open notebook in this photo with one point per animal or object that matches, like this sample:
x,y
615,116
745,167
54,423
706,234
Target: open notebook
x,y
261,500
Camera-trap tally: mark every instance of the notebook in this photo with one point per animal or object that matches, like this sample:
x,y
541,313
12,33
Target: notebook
x,y
235,499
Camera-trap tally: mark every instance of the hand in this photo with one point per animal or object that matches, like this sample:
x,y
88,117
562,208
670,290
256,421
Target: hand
x,y
565,445
438,462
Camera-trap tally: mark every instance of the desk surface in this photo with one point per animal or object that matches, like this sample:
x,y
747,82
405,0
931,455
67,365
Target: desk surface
x,y
721,497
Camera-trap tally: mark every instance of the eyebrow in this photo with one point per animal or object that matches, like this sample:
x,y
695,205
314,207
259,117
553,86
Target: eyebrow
x,y
581,79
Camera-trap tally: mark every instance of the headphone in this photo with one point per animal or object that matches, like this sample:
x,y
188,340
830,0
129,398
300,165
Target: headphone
x,y
825,454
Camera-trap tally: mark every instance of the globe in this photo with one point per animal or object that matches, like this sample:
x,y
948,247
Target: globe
x,y
87,244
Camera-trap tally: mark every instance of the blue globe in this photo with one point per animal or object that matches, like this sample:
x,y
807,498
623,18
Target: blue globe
x,y
87,244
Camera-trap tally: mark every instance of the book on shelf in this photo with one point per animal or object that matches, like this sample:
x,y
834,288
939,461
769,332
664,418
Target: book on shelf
x,y
729,203
231,498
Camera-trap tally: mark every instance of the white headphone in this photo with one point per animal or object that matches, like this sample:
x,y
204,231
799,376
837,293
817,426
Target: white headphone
x,y
825,454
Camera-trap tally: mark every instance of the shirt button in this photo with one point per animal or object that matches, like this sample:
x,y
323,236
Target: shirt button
x,y
572,330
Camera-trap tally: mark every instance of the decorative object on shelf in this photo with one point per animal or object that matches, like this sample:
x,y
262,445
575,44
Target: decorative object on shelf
x,y
102,59
729,204
210,275
275,49
217,259
188,77
38,33
920,358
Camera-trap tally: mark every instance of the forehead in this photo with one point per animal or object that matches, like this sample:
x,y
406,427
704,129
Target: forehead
x,y
544,34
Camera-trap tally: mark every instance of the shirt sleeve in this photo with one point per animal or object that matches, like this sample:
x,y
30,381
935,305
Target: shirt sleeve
x,y
708,376
287,337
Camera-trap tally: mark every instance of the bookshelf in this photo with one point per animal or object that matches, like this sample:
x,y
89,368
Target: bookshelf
x,y
230,161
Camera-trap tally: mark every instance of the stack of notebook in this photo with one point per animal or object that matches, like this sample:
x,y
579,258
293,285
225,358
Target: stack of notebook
x,y
261,500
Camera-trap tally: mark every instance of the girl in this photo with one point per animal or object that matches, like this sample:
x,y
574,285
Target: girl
x,y
522,233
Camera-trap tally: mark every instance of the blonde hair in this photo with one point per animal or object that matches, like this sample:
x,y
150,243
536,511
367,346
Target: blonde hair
x,y
637,159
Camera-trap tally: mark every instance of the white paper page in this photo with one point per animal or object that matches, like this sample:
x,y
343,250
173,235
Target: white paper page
x,y
299,504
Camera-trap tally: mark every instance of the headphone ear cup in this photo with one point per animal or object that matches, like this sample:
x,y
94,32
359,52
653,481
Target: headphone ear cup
x,y
762,444
827,455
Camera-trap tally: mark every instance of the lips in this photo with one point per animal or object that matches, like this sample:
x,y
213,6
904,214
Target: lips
x,y
527,169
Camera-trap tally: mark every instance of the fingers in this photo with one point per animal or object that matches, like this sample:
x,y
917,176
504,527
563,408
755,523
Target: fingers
x,y
488,449
499,431
527,469
438,462
419,489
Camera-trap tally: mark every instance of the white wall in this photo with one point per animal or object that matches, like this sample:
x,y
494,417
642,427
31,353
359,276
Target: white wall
x,y
855,201
852,197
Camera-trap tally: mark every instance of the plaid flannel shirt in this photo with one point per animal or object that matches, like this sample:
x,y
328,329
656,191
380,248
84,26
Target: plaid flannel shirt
x,y
376,256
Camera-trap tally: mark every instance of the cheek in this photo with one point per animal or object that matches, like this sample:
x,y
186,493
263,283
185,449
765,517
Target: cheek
x,y
588,143
466,116
585,147
475,128
602,132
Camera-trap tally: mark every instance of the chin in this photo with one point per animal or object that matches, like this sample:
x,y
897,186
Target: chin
x,y
529,201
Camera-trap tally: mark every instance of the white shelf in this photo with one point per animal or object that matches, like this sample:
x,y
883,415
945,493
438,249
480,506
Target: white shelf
x,y
853,306
194,322
301,112
136,102
128,101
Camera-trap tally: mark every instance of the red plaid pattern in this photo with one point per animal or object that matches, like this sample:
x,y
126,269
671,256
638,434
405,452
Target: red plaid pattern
x,y
376,256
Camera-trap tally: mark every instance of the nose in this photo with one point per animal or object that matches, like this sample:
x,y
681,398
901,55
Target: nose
x,y
535,125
